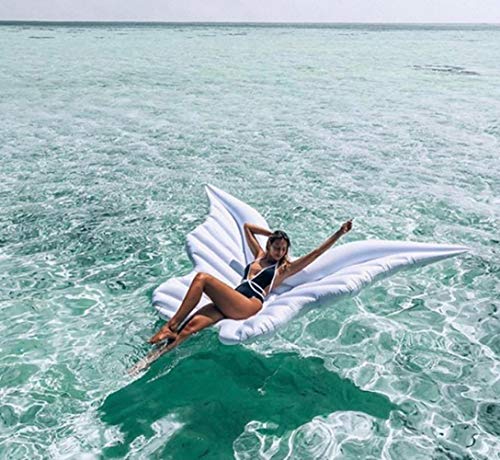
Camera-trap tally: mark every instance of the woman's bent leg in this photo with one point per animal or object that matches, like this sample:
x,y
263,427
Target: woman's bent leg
x,y
191,299
231,303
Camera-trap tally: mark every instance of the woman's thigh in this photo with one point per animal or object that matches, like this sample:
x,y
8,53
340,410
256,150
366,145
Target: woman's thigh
x,y
231,303
204,317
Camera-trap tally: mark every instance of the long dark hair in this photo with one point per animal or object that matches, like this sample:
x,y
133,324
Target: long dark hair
x,y
280,235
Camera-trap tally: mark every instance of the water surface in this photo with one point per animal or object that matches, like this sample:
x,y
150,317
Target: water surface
x,y
109,134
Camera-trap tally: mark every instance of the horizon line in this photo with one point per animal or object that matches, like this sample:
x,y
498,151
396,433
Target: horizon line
x,y
64,21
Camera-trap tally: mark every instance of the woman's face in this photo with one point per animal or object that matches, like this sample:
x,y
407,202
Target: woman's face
x,y
277,249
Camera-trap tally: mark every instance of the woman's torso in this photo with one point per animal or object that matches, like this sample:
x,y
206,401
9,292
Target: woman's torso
x,y
261,279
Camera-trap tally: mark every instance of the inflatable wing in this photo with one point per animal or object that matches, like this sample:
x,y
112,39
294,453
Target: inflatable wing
x,y
218,247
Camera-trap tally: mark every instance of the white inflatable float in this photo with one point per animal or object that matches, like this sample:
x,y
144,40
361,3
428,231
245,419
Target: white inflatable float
x,y
218,247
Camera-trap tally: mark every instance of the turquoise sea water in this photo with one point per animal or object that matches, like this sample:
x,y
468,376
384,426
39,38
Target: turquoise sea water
x,y
108,134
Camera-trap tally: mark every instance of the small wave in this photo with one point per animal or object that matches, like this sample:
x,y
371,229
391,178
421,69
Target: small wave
x,y
446,69
40,37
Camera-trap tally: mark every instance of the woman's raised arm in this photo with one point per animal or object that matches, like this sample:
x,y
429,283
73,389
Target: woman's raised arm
x,y
302,262
250,232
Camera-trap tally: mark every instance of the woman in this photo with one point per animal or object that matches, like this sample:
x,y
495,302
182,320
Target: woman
x,y
269,269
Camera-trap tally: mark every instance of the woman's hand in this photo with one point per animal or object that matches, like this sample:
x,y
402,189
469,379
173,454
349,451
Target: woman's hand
x,y
302,262
346,227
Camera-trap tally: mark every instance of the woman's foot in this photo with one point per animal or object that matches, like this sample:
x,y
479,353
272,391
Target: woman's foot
x,y
164,333
150,358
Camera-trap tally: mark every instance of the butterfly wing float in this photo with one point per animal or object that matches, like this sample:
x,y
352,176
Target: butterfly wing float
x,y
218,247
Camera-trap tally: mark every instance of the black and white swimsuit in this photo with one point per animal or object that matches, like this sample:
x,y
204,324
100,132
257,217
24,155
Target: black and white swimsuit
x,y
256,286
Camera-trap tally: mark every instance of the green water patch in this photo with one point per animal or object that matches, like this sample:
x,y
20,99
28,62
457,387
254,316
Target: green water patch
x,y
214,394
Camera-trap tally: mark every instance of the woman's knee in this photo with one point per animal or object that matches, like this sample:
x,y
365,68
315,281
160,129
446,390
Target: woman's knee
x,y
202,277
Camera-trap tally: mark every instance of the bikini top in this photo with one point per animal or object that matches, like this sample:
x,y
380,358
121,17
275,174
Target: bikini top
x,y
262,279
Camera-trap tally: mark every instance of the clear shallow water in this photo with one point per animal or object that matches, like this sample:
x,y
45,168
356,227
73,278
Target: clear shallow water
x,y
108,135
